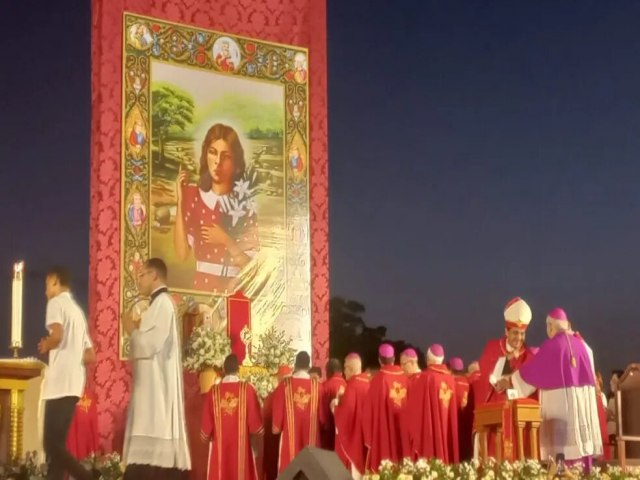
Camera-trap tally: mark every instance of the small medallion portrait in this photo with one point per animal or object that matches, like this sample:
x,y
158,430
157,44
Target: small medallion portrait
x,y
140,37
137,210
226,54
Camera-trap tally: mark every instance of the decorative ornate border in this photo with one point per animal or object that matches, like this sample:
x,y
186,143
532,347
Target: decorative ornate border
x,y
147,39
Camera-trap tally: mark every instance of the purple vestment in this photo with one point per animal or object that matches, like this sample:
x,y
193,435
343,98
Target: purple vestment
x,y
551,367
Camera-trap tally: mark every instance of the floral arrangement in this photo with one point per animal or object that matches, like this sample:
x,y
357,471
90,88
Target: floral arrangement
x,y
490,470
273,350
206,348
109,466
262,381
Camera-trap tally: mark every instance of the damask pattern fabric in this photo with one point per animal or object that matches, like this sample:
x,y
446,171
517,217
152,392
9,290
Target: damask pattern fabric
x,y
295,22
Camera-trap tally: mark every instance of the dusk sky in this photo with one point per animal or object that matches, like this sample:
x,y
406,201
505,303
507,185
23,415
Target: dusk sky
x,y
478,151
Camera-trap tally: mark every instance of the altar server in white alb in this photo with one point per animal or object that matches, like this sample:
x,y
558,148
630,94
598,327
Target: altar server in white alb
x,y
155,445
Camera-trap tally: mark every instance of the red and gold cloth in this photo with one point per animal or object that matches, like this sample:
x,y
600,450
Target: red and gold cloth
x,y
432,415
230,415
383,418
83,439
296,416
238,321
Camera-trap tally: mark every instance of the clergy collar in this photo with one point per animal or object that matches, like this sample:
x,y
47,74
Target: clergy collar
x,y
231,379
301,374
157,292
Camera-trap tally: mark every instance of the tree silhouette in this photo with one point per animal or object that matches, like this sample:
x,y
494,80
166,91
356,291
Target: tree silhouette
x,y
348,333
171,112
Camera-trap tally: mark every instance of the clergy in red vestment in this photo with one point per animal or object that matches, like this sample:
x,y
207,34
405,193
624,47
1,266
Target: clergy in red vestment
x,y
473,375
409,363
348,411
383,417
316,373
432,411
473,372
607,454
334,384
465,411
296,411
505,355
271,441
230,415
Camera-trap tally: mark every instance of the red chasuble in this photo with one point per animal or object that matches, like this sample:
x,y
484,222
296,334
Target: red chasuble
x,y
330,390
465,418
83,439
473,387
474,394
349,422
296,413
485,392
230,414
432,415
492,352
383,417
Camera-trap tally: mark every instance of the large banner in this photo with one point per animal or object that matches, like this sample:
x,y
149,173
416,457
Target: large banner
x,y
221,104
215,172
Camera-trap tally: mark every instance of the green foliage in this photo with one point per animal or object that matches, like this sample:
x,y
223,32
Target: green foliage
x,y
260,120
172,110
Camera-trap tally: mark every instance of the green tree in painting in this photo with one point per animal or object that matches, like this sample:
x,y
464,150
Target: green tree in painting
x,y
172,113
258,118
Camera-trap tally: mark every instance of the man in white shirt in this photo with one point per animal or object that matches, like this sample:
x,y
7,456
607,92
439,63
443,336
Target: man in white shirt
x,y
69,347
155,444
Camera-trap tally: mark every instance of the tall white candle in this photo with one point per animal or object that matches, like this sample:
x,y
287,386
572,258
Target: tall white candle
x,y
16,305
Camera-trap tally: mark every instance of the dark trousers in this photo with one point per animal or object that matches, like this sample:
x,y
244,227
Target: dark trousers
x,y
58,414
148,472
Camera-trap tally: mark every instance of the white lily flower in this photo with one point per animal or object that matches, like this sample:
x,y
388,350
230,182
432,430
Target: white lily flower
x,y
236,211
242,188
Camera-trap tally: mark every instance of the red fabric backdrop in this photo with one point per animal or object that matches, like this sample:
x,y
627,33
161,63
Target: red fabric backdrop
x,y
294,22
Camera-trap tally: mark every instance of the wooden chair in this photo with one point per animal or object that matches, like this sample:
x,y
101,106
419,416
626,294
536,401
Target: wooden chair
x,y
628,411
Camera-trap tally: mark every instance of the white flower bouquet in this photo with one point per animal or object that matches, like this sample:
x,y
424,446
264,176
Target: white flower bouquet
x,y
262,381
273,350
206,348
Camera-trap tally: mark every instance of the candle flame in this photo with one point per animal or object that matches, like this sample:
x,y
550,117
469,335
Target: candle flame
x,y
18,267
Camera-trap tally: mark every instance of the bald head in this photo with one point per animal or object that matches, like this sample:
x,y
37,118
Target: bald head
x,y
555,326
474,367
409,362
352,365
